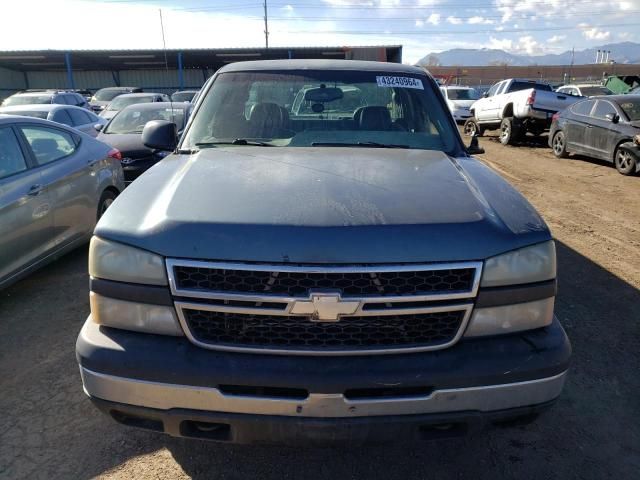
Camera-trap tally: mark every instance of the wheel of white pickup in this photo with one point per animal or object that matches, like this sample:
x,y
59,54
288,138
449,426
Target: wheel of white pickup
x,y
471,128
508,131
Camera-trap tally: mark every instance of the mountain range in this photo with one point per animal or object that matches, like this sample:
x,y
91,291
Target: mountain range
x,y
625,52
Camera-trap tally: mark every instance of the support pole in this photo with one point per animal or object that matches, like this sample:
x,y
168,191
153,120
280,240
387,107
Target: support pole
x,y
180,72
67,60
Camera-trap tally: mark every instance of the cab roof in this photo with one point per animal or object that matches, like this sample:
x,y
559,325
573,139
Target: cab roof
x,y
314,64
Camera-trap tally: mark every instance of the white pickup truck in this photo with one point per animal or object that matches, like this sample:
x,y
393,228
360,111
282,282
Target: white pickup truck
x,y
516,106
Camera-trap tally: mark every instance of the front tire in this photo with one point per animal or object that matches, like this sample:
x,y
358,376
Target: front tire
x,y
472,128
106,199
508,131
625,162
559,145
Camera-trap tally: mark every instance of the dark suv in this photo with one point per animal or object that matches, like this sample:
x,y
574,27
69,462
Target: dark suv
x,y
336,272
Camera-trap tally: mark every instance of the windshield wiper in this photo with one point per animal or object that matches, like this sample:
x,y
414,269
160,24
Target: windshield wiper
x,y
237,141
358,144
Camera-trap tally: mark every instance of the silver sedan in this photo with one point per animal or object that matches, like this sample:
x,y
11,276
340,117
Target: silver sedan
x,y
55,183
76,117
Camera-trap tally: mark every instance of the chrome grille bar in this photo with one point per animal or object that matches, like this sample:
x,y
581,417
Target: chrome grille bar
x,y
282,306
268,297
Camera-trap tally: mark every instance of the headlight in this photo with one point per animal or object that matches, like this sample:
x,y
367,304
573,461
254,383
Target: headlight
x,y
139,317
115,261
526,265
510,318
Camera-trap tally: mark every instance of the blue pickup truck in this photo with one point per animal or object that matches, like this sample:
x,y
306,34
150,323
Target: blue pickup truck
x,y
341,271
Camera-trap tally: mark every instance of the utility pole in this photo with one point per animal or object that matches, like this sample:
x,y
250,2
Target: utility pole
x,y
266,26
573,57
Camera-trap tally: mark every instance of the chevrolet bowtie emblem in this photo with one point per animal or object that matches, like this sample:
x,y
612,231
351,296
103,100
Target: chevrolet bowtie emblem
x,y
325,307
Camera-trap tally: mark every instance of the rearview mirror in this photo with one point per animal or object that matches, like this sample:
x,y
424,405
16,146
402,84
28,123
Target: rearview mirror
x,y
323,94
160,135
474,147
612,117
98,127
485,95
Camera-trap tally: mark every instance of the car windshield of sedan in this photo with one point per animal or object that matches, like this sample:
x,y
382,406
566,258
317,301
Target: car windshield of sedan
x,y
462,94
631,108
26,100
322,108
120,102
133,120
108,95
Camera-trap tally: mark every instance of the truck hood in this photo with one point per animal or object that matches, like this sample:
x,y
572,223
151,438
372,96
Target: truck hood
x,y
322,205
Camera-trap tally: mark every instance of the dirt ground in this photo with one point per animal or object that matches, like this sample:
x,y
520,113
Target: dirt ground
x,y
48,429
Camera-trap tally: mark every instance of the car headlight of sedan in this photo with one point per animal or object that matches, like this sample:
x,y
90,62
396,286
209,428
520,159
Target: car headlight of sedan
x,y
529,265
129,268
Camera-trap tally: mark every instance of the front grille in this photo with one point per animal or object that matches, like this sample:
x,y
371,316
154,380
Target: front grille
x,y
299,284
316,310
300,333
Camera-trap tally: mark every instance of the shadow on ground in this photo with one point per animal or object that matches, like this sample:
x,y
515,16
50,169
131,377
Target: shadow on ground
x,y
50,430
531,141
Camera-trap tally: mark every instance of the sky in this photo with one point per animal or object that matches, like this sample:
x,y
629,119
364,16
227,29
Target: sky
x,y
422,26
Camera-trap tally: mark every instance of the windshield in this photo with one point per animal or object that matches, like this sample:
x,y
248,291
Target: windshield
x,y
26,100
631,108
133,120
120,102
332,108
597,90
183,96
516,86
107,95
462,94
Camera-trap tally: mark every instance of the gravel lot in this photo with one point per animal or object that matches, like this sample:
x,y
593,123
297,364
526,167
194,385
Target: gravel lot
x,y
49,430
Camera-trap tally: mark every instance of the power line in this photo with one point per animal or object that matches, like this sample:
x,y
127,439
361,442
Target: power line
x,y
449,32
474,5
389,19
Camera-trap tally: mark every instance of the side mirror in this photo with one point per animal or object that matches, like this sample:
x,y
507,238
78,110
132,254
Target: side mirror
x,y
160,135
98,127
612,117
474,148
485,95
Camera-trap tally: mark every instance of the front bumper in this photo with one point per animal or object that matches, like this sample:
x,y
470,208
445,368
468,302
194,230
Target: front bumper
x,y
175,386
136,167
461,115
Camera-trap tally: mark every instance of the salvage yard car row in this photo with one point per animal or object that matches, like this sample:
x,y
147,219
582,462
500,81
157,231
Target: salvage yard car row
x,y
606,128
582,119
56,180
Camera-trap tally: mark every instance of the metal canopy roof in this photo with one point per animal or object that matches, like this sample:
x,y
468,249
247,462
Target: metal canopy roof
x,y
114,60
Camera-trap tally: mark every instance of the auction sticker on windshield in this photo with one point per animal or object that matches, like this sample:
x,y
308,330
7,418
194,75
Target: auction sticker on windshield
x,y
402,82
